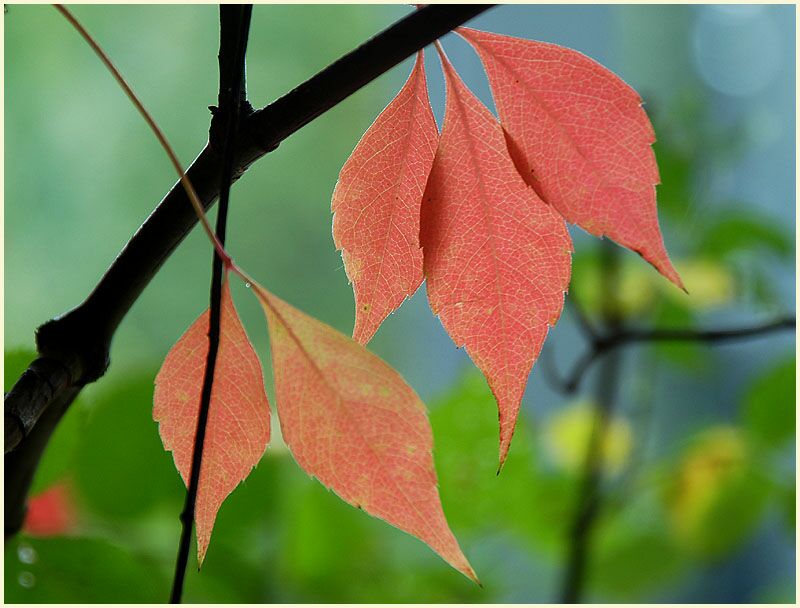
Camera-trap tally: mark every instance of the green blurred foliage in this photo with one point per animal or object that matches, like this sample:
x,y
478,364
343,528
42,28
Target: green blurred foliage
x,y
78,570
690,357
789,504
702,501
634,553
281,536
120,427
14,363
770,405
524,499
736,230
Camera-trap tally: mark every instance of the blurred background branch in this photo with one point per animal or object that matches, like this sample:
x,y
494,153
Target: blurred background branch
x,y
601,345
589,499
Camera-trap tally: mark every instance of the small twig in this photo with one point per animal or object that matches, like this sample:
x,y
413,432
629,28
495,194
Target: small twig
x,y
624,337
704,335
234,29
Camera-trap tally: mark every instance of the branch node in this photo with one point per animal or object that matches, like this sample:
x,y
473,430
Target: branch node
x,y
77,343
219,119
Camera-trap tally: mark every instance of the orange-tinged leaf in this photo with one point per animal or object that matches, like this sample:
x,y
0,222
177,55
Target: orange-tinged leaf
x,y
376,205
580,137
352,422
237,432
497,258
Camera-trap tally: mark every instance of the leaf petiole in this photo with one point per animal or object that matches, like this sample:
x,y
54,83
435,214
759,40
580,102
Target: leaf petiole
x,y
227,261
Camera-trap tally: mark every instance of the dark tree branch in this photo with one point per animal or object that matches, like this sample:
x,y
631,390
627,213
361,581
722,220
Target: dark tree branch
x,y
589,500
43,379
20,465
234,29
341,79
79,341
603,344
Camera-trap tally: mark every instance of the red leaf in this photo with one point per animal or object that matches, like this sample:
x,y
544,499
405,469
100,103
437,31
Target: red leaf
x,y
579,137
237,432
352,422
376,205
497,258
51,513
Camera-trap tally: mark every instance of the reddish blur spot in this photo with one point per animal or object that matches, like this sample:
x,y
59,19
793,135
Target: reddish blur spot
x,y
50,513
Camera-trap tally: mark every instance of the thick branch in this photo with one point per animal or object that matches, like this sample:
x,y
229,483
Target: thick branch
x,y
20,465
40,383
80,339
338,81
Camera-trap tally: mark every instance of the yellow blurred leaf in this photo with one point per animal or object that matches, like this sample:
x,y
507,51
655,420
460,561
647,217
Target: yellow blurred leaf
x,y
709,283
715,496
567,434
637,286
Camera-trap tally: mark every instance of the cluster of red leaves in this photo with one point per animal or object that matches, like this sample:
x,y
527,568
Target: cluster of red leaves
x,y
482,216
479,212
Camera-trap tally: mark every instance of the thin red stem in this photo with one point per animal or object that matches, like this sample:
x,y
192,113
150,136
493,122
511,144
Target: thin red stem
x,y
193,198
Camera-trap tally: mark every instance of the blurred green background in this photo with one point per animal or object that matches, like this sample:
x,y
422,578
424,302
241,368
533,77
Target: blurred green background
x,y
699,461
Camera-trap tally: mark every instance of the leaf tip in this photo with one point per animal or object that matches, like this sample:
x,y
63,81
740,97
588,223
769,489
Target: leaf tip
x,y
502,459
463,566
658,258
669,272
364,328
506,433
202,547
470,573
